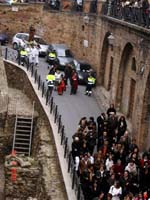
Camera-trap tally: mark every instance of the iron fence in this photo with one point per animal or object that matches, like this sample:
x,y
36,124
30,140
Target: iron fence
x,y
70,6
135,15
54,110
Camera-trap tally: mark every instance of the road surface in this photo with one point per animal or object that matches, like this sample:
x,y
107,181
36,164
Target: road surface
x,y
71,107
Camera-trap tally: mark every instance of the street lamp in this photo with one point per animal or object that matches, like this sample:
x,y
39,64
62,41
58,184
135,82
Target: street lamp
x,y
111,40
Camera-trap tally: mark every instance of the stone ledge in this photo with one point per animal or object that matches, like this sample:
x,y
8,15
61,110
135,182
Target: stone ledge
x,y
60,150
126,24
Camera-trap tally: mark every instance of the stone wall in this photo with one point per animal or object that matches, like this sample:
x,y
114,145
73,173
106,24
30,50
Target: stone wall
x,y
75,30
5,137
50,184
21,182
44,150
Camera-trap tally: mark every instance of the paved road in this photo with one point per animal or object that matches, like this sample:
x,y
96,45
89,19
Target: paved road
x,y
71,107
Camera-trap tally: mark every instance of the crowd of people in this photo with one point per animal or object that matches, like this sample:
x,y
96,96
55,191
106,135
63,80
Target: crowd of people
x,y
28,54
108,161
59,81
134,11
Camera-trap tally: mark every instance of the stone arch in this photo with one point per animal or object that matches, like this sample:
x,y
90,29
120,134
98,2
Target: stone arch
x,y
126,55
104,54
144,137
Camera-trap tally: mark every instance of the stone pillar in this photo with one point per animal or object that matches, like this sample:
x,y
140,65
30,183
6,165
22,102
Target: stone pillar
x,y
86,6
99,7
67,5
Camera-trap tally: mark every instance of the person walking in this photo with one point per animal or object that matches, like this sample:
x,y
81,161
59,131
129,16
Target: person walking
x,y
52,58
36,54
50,78
74,82
31,56
52,69
90,83
57,78
68,72
23,56
61,86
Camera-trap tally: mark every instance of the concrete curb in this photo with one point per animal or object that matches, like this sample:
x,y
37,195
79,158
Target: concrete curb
x,y
60,150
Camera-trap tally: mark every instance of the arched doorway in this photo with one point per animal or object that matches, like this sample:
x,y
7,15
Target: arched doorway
x,y
124,65
104,54
144,137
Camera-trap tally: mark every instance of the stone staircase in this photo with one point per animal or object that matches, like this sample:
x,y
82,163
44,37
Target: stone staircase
x,y
23,135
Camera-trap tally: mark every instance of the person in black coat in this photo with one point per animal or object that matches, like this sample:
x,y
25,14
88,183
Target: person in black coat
x,y
145,13
112,125
111,110
101,122
91,140
122,126
68,73
145,177
95,190
126,183
76,145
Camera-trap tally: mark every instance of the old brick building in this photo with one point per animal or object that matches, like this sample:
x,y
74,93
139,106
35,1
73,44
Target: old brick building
x,y
122,67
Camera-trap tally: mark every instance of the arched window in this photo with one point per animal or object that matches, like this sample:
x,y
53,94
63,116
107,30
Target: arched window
x,y
133,67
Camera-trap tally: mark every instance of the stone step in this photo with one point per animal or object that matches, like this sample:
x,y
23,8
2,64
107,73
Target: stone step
x,y
24,122
24,117
23,148
22,130
22,136
22,152
22,139
23,125
24,144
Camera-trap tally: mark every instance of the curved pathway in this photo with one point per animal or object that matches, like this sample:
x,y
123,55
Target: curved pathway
x,y
71,107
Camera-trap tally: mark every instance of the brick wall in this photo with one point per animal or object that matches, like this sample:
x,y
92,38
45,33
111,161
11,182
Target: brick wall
x,y
73,29
50,184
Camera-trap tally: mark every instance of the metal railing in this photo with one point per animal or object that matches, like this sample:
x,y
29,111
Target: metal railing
x,y
135,15
71,5
54,110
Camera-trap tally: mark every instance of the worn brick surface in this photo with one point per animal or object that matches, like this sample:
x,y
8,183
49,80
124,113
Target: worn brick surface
x,y
50,184
2,181
130,41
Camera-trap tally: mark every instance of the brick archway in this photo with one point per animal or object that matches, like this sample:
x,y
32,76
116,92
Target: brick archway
x,y
104,54
144,136
126,55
